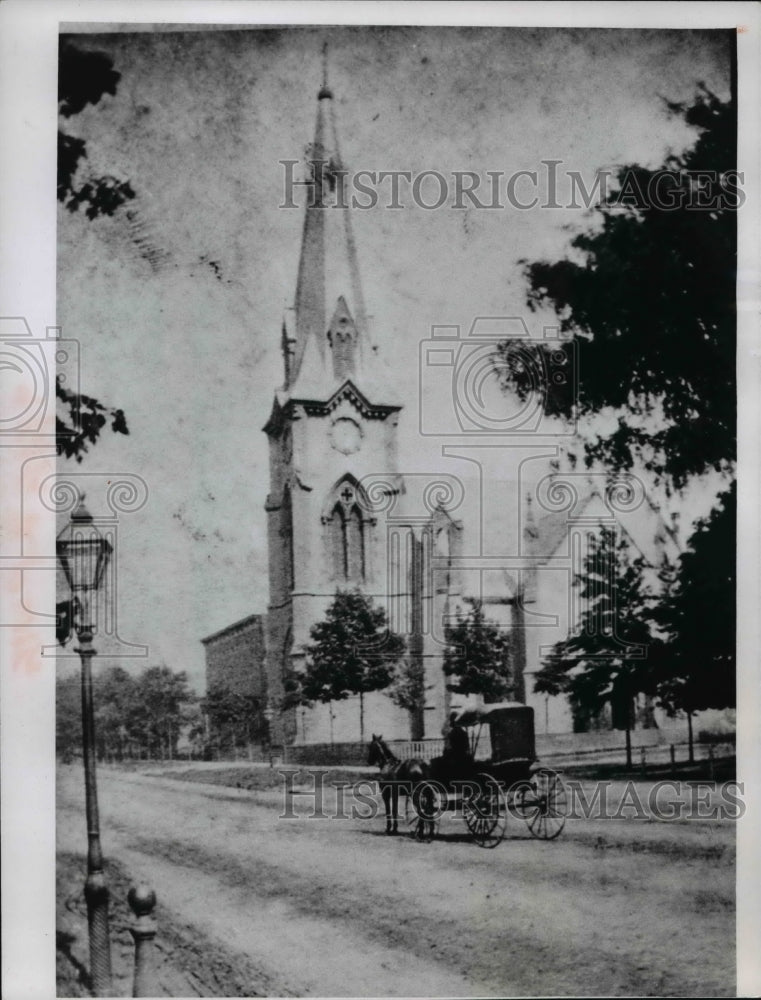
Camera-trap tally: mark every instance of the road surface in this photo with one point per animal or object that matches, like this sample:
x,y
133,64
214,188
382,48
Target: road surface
x,y
326,907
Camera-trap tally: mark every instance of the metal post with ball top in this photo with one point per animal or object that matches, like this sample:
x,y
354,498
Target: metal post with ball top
x,y
84,554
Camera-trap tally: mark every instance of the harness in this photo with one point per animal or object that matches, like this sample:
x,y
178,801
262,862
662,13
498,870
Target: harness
x,y
388,759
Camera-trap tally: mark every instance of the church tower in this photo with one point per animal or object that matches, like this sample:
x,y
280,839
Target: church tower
x,y
332,423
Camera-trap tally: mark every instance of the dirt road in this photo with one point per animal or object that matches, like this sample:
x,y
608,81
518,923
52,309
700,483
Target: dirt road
x,y
324,907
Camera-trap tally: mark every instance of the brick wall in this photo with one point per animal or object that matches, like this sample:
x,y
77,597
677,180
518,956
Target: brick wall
x,y
235,657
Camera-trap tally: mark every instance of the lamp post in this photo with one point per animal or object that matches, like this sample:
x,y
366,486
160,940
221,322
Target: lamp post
x,y
83,554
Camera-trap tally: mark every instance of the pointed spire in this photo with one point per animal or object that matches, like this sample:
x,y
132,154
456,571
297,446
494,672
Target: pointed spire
x,y
325,92
328,267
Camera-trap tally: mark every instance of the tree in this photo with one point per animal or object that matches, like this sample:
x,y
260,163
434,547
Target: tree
x,y
141,714
234,719
698,618
83,78
158,713
352,652
79,421
648,300
116,703
477,656
408,691
194,727
605,658
650,306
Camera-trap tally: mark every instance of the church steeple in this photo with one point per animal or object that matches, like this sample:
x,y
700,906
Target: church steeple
x,y
333,424
330,322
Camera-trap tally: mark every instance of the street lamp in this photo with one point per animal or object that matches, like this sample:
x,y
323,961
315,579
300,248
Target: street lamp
x,y
83,554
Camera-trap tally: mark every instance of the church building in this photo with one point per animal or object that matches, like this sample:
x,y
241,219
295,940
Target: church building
x,y
341,515
333,423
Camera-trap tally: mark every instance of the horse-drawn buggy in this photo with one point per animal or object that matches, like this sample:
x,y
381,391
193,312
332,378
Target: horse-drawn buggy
x,y
484,784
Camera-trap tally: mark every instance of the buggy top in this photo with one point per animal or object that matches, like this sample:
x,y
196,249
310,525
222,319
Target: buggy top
x,y
511,728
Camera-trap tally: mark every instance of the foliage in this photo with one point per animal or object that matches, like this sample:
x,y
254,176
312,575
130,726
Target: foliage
x,y
699,616
605,659
83,78
162,695
477,656
234,719
352,652
116,703
648,301
651,309
80,419
408,688
134,716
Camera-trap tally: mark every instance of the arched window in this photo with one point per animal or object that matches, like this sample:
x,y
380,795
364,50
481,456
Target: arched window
x,y
338,543
355,545
346,537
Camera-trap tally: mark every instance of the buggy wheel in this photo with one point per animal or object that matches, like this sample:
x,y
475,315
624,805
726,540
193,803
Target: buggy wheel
x,y
485,812
543,804
422,811
523,799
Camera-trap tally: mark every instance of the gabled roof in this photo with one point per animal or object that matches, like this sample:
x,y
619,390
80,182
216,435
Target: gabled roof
x,y
314,405
551,530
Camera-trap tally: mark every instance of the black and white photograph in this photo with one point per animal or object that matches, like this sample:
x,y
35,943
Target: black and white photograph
x,y
379,454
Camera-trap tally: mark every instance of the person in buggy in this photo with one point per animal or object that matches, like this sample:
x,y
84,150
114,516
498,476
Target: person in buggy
x,y
456,763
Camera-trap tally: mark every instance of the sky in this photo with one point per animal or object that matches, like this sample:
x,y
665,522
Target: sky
x,y
189,346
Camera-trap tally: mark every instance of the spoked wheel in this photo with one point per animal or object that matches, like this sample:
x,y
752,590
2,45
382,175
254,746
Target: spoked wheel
x,y
422,811
485,812
542,802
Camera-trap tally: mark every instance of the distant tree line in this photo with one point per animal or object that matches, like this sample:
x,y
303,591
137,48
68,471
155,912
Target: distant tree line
x,y
155,715
141,716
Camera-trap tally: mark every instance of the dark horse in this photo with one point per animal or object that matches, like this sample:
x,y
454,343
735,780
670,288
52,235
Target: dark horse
x,y
395,776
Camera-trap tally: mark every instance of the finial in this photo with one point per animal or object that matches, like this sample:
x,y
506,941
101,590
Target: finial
x,y
80,513
325,92
141,899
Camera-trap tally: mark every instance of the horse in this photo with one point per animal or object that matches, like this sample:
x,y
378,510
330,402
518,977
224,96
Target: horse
x,y
395,776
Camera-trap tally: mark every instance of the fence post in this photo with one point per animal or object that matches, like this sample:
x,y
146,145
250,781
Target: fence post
x,y
142,901
672,754
643,761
